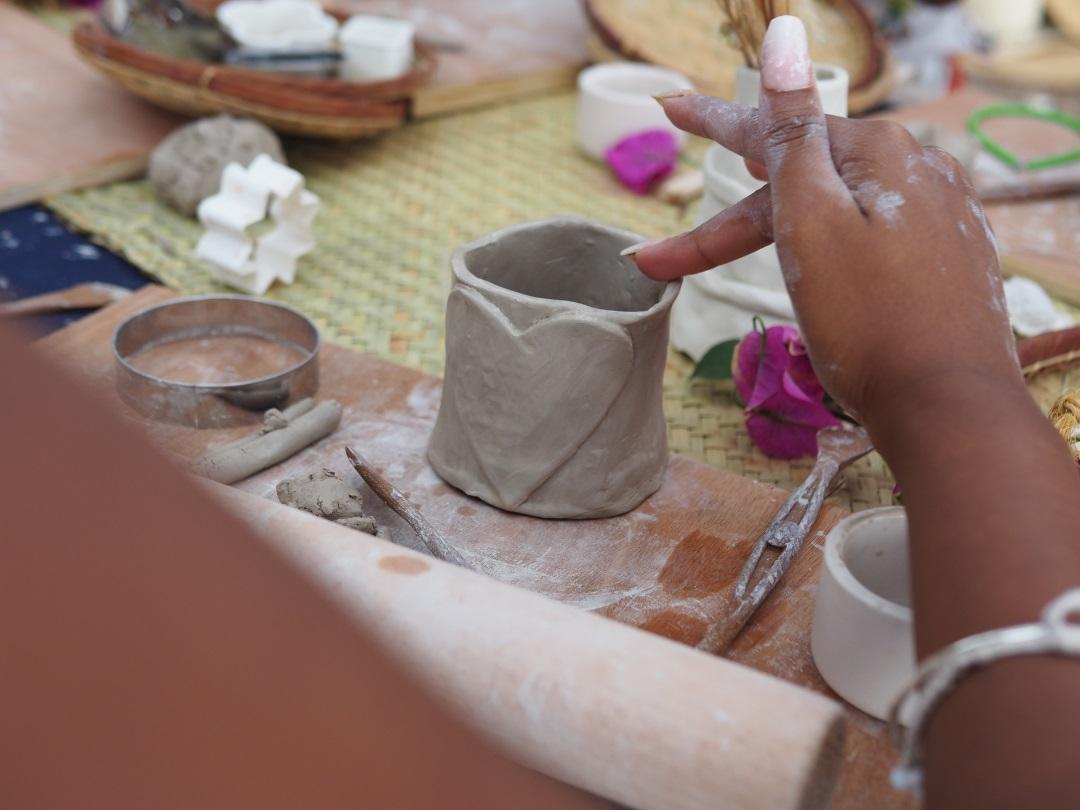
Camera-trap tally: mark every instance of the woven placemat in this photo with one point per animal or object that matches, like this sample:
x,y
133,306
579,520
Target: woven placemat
x,y
393,210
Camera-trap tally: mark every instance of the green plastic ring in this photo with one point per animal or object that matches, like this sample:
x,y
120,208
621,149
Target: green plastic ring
x,y
977,118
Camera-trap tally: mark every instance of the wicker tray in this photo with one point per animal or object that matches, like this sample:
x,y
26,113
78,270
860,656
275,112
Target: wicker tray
x,y
320,108
685,35
1066,15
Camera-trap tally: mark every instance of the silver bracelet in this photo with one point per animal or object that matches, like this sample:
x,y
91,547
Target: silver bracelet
x,y
1054,634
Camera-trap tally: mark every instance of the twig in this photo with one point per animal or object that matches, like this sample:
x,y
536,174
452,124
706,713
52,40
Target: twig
x,y
435,542
748,20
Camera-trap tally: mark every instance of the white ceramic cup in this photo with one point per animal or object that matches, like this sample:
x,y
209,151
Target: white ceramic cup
x,y
376,48
862,639
615,99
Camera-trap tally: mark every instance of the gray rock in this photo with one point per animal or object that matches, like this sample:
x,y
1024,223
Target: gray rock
x,y
186,167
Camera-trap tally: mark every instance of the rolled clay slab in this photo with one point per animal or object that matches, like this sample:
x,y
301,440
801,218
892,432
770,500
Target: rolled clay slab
x,y
625,714
555,353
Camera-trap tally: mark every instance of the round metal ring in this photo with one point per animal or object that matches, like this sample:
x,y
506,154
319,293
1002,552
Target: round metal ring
x,y
215,404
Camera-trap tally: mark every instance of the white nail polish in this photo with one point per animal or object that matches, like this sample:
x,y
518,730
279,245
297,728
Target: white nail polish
x,y
633,249
785,56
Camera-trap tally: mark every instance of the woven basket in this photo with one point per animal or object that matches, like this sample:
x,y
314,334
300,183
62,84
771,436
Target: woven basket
x,y
319,108
685,35
1066,14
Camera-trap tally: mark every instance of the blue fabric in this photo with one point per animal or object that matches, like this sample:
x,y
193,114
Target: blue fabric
x,y
38,254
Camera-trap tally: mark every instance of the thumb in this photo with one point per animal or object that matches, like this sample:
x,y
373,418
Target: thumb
x,y
793,128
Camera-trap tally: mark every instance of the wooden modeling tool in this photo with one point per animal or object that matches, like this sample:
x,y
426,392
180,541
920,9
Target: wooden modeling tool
x,y
434,542
837,448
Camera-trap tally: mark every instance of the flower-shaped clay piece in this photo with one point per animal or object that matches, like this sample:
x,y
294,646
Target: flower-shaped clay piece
x,y
237,259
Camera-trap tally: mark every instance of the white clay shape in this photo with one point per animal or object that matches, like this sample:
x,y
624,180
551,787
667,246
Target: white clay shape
x,y
278,25
245,197
376,48
555,353
1031,310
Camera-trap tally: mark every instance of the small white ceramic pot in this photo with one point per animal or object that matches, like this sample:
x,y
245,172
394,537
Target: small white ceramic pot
x,y
615,99
862,639
555,353
278,25
376,48
721,304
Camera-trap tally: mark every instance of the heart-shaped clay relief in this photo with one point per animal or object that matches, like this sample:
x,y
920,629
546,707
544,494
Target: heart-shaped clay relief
x,y
529,399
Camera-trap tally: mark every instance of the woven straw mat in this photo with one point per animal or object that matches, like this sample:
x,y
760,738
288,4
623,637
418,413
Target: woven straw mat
x,y
393,210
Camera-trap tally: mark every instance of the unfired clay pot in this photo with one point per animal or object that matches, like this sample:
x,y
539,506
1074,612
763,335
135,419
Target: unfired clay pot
x,y
555,352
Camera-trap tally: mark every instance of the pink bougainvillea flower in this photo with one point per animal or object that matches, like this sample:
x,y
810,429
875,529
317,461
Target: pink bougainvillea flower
x,y
641,159
785,403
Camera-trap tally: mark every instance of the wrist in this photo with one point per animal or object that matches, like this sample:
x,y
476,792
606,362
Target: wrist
x,y
952,403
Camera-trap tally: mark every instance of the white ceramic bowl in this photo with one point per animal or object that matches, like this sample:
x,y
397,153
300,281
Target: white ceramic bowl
x,y
862,639
616,99
278,25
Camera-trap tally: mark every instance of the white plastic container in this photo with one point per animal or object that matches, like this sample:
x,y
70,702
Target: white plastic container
x,y
616,99
862,639
282,26
376,48
1012,23
721,303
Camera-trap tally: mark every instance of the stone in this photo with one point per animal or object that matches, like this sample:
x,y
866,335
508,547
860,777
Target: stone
x,y
186,167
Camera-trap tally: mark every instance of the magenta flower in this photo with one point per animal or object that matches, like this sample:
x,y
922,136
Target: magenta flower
x,y
785,403
641,159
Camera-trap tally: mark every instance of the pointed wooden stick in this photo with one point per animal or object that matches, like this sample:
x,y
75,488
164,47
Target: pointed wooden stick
x,y
392,497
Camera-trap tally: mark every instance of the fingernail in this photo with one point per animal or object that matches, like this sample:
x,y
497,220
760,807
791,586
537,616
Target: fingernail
x,y
785,56
634,249
677,93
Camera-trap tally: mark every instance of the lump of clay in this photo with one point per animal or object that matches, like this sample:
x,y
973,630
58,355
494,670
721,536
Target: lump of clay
x,y
186,167
325,495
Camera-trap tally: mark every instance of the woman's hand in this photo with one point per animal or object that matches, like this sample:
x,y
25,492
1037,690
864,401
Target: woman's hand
x,y
885,249
894,275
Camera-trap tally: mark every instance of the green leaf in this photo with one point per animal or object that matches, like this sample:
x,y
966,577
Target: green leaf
x,y
716,364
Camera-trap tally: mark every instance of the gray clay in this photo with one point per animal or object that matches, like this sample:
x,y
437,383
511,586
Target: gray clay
x,y
555,354
186,167
325,495
284,434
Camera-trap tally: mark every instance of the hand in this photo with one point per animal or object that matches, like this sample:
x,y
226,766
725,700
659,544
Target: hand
x,y
885,249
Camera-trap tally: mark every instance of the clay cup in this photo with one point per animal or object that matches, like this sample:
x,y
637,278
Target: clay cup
x,y
555,353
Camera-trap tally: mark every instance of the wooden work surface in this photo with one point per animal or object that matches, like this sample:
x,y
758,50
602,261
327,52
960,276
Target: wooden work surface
x,y
1039,238
491,50
63,125
688,540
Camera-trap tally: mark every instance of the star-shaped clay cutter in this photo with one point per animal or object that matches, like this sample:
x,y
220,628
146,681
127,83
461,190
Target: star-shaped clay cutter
x,y
236,258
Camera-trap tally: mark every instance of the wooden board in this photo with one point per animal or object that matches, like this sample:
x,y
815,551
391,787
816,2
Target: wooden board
x,y
1038,238
687,541
1052,64
62,125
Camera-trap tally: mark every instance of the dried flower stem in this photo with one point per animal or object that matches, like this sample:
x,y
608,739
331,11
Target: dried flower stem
x,y
748,20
